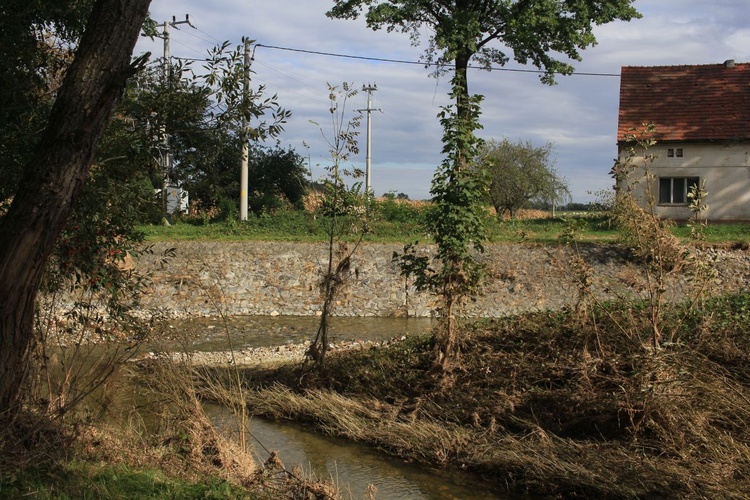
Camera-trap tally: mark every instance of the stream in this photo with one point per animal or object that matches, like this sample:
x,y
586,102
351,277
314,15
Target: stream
x,y
237,332
351,465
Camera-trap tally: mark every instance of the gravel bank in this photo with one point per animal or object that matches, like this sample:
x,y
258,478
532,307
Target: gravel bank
x,y
254,356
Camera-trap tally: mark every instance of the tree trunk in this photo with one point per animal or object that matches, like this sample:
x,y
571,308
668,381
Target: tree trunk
x,y
54,177
461,83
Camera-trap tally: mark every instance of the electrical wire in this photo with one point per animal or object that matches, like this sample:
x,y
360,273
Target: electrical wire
x,y
402,61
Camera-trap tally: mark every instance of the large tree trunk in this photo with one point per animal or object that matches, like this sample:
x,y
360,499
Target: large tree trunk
x,y
54,177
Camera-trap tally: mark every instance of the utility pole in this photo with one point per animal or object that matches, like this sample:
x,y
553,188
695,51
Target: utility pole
x,y
165,35
245,134
368,159
167,160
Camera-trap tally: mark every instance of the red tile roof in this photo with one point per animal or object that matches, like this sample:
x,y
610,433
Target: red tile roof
x,y
686,103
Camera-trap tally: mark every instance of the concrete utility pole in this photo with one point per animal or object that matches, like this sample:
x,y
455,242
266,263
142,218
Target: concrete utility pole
x,y
368,159
244,135
165,35
167,160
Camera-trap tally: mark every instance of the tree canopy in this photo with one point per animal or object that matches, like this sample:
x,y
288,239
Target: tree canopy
x,y
531,31
521,173
195,116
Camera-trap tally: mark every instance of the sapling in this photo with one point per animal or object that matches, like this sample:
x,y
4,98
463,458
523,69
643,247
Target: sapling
x,y
343,211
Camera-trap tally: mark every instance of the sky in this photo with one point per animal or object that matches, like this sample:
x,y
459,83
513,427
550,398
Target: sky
x,y
578,115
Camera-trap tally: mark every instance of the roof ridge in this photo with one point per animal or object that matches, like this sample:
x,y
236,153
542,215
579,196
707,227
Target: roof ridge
x,y
690,65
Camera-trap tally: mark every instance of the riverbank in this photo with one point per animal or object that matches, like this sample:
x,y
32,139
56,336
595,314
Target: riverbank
x,y
546,404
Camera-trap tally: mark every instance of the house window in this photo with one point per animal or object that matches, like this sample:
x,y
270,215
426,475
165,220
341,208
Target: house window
x,y
674,152
674,190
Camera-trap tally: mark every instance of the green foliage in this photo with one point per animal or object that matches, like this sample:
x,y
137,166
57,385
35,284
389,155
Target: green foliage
x,y
533,31
276,176
696,223
41,39
94,243
521,173
726,312
187,129
89,256
90,480
391,210
37,41
131,158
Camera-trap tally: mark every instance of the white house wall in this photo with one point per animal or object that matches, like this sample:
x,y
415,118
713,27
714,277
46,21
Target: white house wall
x,y
724,167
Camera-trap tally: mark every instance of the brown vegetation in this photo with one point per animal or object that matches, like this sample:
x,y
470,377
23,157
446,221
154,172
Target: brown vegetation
x,y
535,407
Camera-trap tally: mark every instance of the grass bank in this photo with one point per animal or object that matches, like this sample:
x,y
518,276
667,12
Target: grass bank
x,y
92,480
404,224
548,405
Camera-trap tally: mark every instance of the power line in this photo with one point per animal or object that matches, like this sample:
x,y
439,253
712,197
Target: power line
x,y
401,61
209,35
202,39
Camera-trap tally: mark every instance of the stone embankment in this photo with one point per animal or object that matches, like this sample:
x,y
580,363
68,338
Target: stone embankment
x,y
281,278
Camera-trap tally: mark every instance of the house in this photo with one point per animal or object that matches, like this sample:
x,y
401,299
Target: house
x,y
702,119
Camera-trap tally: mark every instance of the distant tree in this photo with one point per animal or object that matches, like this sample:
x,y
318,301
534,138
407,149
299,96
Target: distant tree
x,y
276,176
391,195
521,173
579,207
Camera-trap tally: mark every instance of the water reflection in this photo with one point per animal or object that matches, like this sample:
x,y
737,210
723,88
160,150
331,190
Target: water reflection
x,y
210,334
353,466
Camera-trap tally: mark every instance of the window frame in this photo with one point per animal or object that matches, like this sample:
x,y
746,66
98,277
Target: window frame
x,y
683,200
675,153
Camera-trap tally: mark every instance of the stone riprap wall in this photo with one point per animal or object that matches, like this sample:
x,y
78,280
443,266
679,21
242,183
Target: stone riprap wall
x,y
278,278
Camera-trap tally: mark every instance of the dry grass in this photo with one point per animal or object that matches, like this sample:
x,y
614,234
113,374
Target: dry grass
x,y
187,439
